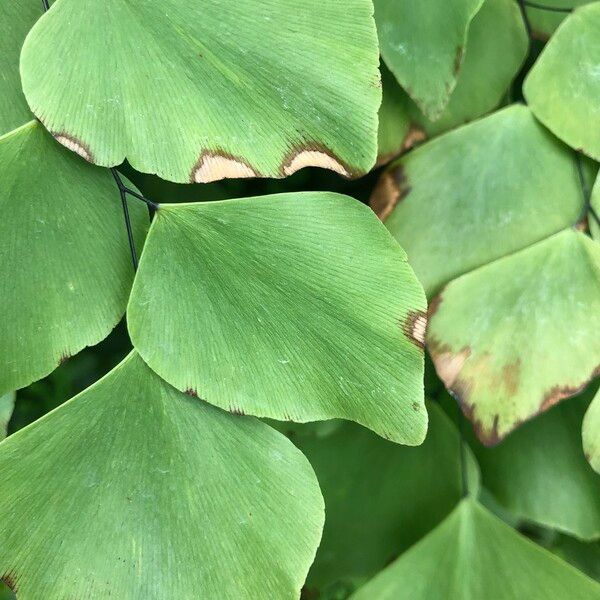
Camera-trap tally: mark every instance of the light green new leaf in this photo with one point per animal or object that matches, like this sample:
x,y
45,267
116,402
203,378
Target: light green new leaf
x,y
478,193
563,86
591,433
474,555
293,306
154,495
17,18
7,404
539,472
423,44
66,268
513,338
380,498
202,91
496,47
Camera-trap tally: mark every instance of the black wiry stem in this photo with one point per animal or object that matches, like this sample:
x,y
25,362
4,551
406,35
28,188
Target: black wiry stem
x,y
45,5
522,5
123,194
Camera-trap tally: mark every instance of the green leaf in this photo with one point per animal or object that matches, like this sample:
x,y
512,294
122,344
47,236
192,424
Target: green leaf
x,y
544,21
293,306
203,91
591,433
66,266
7,404
423,44
513,338
370,521
539,472
563,86
478,193
473,554
17,18
132,490
496,47
584,556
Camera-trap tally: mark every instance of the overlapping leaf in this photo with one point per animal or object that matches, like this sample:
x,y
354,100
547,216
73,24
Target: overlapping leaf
x,y
478,193
154,495
294,306
7,404
513,338
496,47
66,271
203,91
473,554
17,18
591,433
539,472
423,44
552,13
563,86
380,498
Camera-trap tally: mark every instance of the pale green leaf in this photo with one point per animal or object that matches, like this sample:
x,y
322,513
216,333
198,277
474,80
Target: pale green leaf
x,y
380,498
473,555
563,86
7,404
203,91
17,18
67,270
478,193
294,306
539,472
514,337
591,433
423,44
132,490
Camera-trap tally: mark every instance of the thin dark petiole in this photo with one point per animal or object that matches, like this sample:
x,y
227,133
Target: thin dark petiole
x,y
45,5
522,5
123,194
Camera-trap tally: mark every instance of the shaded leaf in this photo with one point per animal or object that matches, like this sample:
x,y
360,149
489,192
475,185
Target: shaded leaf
x,y
591,433
66,264
7,404
539,472
478,193
545,21
513,338
203,91
423,44
584,556
563,86
380,498
153,494
294,306
473,554
17,18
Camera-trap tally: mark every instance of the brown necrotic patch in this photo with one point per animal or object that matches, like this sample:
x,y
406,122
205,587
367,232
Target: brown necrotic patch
x,y
214,166
313,155
415,326
391,189
74,144
414,136
10,581
458,58
191,392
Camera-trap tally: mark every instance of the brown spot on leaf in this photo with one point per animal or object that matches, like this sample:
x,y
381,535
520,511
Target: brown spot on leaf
x,y
10,580
64,357
191,392
313,155
415,326
74,144
458,58
391,189
214,166
447,362
414,136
